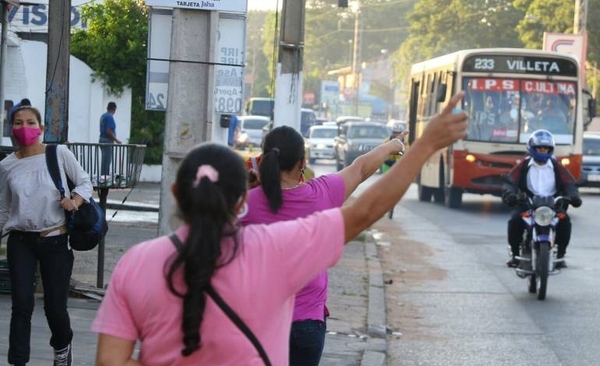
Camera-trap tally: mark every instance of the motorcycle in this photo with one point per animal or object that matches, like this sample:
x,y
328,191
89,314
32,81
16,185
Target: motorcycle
x,y
537,258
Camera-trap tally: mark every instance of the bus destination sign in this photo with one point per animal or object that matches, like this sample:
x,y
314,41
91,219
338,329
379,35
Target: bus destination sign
x,y
520,64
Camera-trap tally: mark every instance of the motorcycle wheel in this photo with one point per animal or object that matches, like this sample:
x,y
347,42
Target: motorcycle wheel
x,y
543,260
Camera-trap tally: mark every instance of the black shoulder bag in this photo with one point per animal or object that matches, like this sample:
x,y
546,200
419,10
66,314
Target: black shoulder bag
x,y
86,226
229,312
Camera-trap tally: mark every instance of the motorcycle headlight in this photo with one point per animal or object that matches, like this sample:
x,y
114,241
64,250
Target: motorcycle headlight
x,y
543,216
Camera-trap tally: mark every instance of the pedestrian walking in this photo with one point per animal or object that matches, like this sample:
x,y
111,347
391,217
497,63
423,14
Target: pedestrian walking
x,y
233,131
108,135
284,195
215,293
33,213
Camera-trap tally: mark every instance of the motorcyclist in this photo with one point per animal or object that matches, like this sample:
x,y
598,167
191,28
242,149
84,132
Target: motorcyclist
x,y
398,132
539,174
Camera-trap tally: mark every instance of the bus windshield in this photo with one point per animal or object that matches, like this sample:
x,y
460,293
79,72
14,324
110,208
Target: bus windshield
x,y
509,109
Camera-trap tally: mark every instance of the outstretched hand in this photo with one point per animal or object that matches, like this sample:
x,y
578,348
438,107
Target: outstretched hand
x,y
446,128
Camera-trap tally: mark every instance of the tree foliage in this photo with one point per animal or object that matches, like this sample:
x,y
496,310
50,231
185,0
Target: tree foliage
x,y
329,35
438,27
114,46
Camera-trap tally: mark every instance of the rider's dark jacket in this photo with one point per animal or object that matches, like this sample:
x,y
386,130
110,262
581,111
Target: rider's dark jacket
x,y
565,182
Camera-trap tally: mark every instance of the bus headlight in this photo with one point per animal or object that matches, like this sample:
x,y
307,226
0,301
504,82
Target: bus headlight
x,y
543,216
470,158
565,161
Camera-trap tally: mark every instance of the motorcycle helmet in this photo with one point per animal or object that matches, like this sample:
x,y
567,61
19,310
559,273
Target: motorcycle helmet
x,y
540,138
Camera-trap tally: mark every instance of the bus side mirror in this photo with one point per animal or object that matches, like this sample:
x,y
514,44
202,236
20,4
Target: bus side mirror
x,y
591,108
441,93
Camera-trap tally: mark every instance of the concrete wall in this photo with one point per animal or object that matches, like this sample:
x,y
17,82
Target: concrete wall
x,y
26,78
151,173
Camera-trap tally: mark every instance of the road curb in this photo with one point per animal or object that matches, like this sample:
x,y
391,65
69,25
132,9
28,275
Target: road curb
x,y
375,352
132,206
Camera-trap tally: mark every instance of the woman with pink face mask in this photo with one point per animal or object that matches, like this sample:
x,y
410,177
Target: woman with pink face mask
x,y
33,216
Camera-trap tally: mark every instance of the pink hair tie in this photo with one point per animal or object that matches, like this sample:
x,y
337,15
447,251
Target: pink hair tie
x,y
208,172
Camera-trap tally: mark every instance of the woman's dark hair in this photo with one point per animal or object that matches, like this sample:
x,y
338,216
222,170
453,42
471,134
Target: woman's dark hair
x,y
207,204
283,148
22,108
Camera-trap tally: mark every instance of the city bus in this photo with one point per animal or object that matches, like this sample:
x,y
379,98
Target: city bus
x,y
509,93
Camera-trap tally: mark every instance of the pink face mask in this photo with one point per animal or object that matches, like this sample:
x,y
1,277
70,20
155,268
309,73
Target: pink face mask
x,y
27,136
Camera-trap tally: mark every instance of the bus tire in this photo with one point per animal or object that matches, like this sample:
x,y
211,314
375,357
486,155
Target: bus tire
x,y
454,197
439,195
425,193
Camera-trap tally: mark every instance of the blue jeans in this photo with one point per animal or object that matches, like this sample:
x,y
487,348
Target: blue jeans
x,y
107,156
307,340
24,250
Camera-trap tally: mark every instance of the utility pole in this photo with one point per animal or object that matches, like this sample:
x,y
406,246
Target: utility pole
x,y
288,96
189,101
580,21
356,57
3,54
56,119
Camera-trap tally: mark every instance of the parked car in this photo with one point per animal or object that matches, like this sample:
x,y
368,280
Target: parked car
x,y
319,144
357,138
251,130
590,168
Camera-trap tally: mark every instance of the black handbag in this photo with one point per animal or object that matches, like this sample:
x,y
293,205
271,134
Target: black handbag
x,y
229,312
86,226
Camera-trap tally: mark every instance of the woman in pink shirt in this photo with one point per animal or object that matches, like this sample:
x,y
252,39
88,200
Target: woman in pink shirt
x,y
283,195
162,294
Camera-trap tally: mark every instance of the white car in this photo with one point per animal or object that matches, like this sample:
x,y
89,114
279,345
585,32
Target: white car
x,y
320,143
251,130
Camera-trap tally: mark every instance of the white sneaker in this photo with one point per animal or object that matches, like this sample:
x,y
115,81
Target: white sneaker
x,y
64,357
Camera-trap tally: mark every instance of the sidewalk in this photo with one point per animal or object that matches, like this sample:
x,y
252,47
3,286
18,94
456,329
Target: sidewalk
x,y
356,329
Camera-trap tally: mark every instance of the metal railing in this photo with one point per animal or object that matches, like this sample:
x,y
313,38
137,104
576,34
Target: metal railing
x,y
110,165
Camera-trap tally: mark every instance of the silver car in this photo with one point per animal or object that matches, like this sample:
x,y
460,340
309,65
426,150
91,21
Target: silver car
x,y
251,130
590,168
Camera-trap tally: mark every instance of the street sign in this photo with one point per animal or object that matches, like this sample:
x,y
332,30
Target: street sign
x,y
235,6
230,56
575,44
159,48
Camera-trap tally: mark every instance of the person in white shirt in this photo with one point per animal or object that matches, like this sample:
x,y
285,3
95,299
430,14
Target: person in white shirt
x,y
543,175
32,212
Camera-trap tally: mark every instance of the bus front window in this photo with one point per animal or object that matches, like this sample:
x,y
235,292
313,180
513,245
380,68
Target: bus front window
x,y
508,110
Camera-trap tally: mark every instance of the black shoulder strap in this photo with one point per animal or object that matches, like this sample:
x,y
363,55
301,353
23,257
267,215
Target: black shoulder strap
x,y
52,164
229,312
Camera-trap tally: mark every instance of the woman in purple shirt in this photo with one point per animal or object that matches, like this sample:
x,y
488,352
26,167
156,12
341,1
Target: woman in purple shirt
x,y
284,196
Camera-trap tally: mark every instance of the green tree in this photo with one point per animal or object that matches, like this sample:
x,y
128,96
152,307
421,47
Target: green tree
x,y
114,46
329,35
557,16
256,61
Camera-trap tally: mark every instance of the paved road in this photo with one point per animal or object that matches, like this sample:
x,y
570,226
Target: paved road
x,y
457,303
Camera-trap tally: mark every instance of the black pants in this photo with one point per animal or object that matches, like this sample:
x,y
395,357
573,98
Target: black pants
x,y
307,340
24,250
516,226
